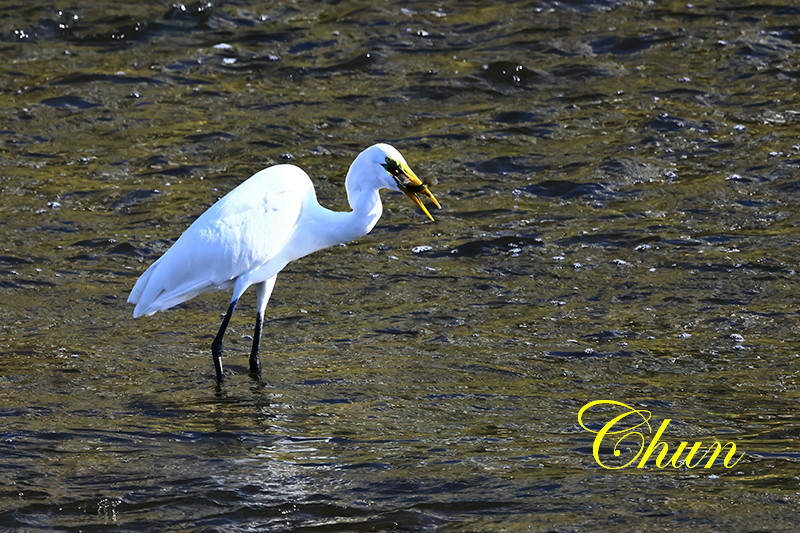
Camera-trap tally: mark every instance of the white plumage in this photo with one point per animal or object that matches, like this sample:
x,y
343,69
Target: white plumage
x,y
237,236
269,220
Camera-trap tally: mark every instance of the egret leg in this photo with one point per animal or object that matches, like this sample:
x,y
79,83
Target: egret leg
x,y
216,346
255,362
263,292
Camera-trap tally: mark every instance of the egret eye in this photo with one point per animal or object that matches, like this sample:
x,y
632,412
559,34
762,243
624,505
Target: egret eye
x,y
392,167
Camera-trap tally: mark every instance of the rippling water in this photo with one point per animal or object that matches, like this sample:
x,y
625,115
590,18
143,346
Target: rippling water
x,y
620,216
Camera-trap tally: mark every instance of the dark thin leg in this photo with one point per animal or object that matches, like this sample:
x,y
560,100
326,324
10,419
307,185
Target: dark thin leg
x,y
255,363
216,346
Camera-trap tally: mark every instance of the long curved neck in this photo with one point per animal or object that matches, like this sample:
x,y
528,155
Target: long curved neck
x,y
329,228
364,200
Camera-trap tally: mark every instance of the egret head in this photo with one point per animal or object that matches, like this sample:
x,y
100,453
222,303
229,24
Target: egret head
x,y
399,176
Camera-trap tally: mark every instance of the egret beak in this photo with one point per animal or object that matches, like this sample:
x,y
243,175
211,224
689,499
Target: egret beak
x,y
411,185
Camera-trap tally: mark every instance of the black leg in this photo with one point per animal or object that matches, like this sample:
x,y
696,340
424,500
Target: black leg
x,y
216,346
255,363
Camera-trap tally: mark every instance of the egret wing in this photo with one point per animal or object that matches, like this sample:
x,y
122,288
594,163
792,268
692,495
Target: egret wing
x,y
242,232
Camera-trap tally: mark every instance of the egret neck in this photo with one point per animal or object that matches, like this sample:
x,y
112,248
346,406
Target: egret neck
x,y
324,227
366,210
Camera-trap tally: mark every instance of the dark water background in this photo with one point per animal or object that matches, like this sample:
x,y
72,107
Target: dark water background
x,y
620,221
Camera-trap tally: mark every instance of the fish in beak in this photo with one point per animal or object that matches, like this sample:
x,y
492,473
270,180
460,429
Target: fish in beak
x,y
410,184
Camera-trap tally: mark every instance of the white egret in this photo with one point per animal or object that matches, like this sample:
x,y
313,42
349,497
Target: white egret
x,y
254,231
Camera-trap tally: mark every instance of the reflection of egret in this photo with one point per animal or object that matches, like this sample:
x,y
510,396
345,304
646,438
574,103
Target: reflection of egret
x,y
252,233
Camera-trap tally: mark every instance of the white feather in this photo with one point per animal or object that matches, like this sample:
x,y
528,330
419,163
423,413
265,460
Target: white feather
x,y
241,233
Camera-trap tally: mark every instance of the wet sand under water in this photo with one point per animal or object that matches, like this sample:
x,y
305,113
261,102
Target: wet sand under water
x,y
620,215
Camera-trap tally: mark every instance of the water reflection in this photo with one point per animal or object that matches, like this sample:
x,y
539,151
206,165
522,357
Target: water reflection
x,y
619,222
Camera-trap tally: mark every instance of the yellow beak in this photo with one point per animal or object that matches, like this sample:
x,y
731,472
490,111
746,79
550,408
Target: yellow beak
x,y
415,198
413,186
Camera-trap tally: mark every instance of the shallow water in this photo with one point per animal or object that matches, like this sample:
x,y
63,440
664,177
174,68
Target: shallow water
x,y
620,214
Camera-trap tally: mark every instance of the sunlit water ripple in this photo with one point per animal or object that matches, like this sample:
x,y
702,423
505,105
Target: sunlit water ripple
x,y
619,188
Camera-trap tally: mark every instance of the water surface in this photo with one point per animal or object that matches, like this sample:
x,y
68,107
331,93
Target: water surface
x,y
620,213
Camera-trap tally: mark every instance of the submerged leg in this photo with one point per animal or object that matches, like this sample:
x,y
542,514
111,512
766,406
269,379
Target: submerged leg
x,y
263,292
255,362
216,346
